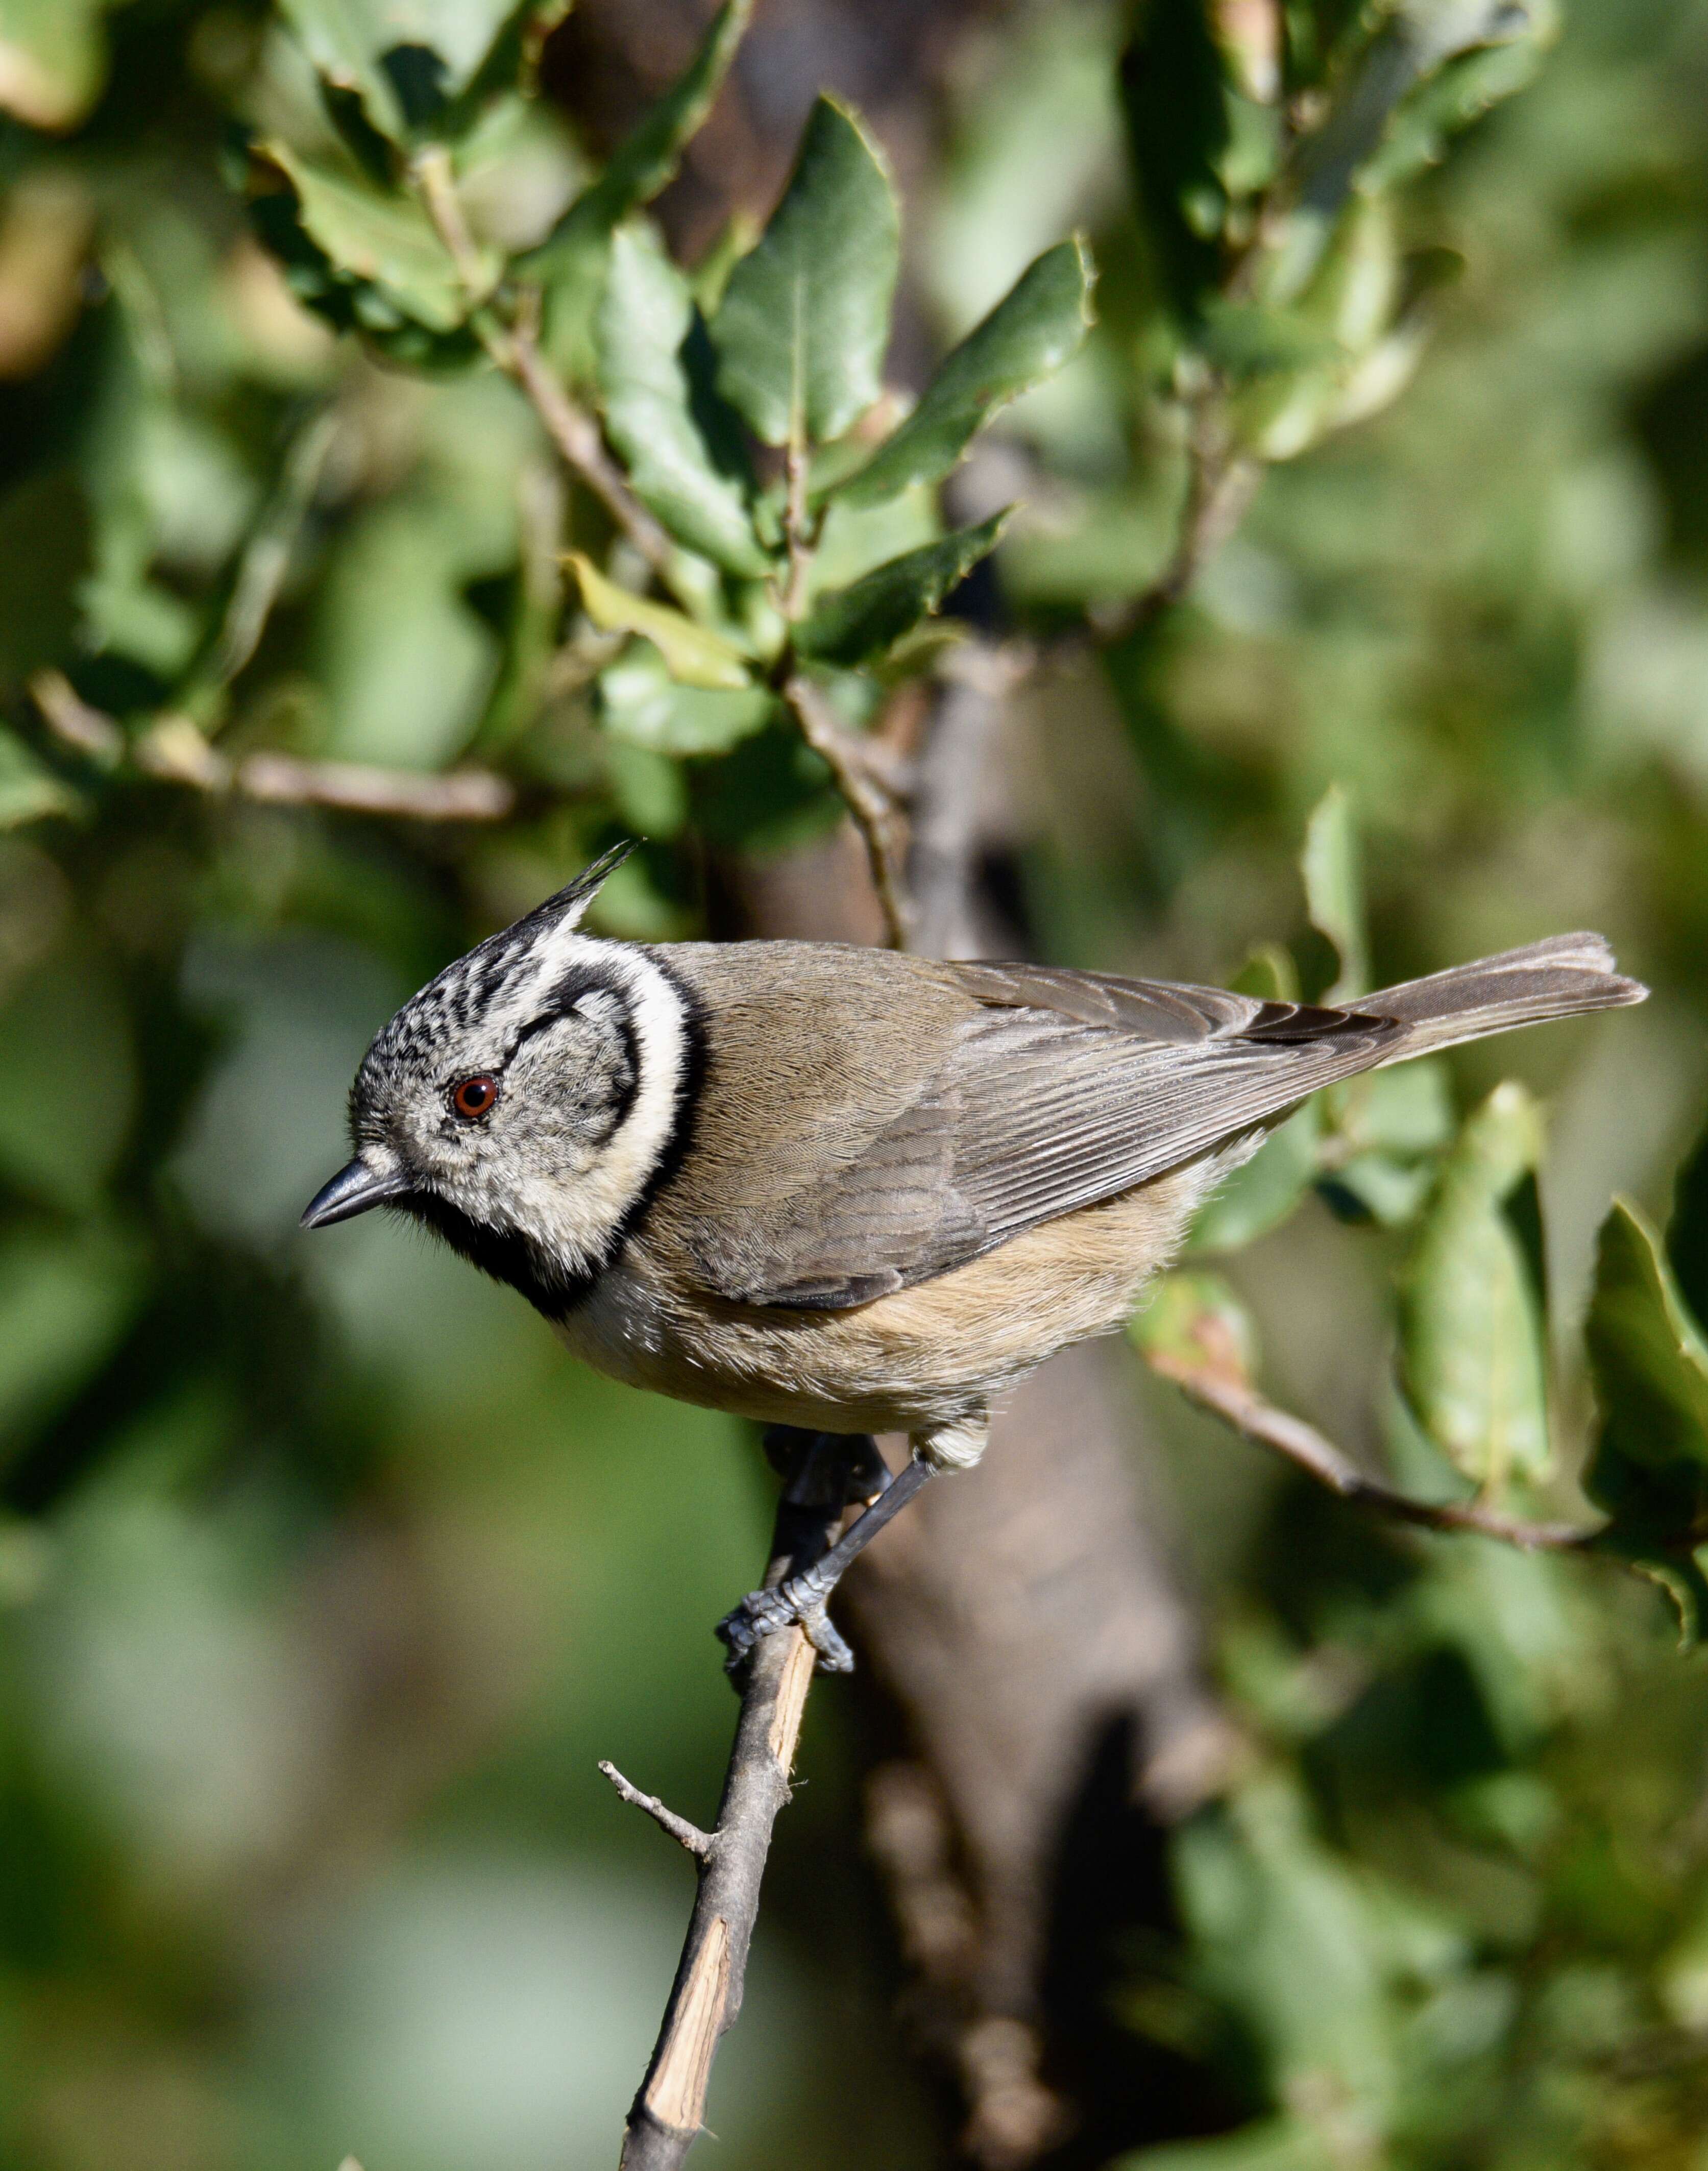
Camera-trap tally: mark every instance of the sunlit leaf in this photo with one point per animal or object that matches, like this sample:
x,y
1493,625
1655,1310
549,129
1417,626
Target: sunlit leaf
x,y
645,321
849,625
571,262
1471,1331
1649,1467
695,656
804,319
643,705
1334,892
1037,327
381,240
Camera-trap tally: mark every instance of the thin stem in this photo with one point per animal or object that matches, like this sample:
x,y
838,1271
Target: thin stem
x,y
699,1844
874,809
1220,486
173,750
796,530
1247,1411
572,430
706,1997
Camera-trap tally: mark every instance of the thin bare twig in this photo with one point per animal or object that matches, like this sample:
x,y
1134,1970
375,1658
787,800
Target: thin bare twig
x,y
1242,1407
1220,486
873,808
706,1997
173,750
698,1843
574,432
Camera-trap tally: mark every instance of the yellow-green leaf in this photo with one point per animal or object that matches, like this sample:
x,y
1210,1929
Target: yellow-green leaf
x,y
695,656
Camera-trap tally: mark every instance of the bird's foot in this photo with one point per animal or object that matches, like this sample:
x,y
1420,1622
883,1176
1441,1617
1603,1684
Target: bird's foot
x,y
764,1612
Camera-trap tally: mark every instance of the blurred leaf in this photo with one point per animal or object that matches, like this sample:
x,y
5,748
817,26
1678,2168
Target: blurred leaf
x,y
696,656
1263,1194
1272,2144
644,323
849,625
1269,973
1334,893
1650,1467
64,1302
1037,326
1471,1331
804,319
1375,1187
571,261
407,60
1174,96
641,703
379,240
1192,1326
28,788
53,60
1687,1232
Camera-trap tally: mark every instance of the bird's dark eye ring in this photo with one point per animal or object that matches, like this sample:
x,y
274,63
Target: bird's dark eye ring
x,y
474,1097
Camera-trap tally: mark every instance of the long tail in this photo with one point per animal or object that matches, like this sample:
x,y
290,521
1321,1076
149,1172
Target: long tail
x,y
1561,978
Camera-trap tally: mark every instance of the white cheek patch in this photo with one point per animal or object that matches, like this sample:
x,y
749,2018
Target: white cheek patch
x,y
578,1222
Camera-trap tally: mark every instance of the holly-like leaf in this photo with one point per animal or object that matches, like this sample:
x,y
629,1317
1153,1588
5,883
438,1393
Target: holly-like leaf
x,y
695,656
379,245
1650,1363
1192,1327
645,321
1334,892
850,625
1037,327
641,703
804,319
1470,1318
571,262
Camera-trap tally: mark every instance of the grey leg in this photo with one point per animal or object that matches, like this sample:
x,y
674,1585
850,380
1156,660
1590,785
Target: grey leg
x,y
798,1597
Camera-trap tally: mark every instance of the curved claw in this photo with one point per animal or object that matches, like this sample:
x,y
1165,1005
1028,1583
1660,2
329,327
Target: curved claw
x,y
764,1612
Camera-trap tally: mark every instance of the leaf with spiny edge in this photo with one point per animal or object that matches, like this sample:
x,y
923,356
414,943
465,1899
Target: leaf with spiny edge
x,y
645,324
1039,325
851,625
804,319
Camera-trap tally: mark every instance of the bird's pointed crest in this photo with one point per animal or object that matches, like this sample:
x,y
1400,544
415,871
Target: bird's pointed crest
x,y
568,906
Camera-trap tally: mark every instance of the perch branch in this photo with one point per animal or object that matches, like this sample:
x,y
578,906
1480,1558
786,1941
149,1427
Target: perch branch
x,y
706,1996
174,750
1247,1411
870,803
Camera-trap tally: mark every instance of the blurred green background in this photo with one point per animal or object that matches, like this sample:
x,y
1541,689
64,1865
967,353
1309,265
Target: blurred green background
x,y
326,1578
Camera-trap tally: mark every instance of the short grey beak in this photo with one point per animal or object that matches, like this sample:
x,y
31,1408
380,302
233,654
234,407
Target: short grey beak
x,y
352,1191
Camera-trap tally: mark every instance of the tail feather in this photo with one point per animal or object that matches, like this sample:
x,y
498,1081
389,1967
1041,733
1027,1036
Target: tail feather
x,y
1564,976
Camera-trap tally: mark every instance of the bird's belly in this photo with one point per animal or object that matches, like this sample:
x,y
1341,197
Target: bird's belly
x,y
920,1358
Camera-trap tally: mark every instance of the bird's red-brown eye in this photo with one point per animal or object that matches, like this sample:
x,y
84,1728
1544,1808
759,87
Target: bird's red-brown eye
x,y
474,1097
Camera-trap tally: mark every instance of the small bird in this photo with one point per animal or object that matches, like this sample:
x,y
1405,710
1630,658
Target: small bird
x,y
850,1190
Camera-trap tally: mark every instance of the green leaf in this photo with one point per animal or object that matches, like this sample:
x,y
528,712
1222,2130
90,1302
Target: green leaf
x,y
1262,1194
28,788
1650,1467
571,262
1174,98
53,60
804,319
644,323
643,705
851,625
1334,892
1472,1333
410,63
1687,1232
1037,326
1192,1326
379,241
695,656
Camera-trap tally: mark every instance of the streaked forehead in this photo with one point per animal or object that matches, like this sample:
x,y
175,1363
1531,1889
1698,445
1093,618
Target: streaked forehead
x,y
495,987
